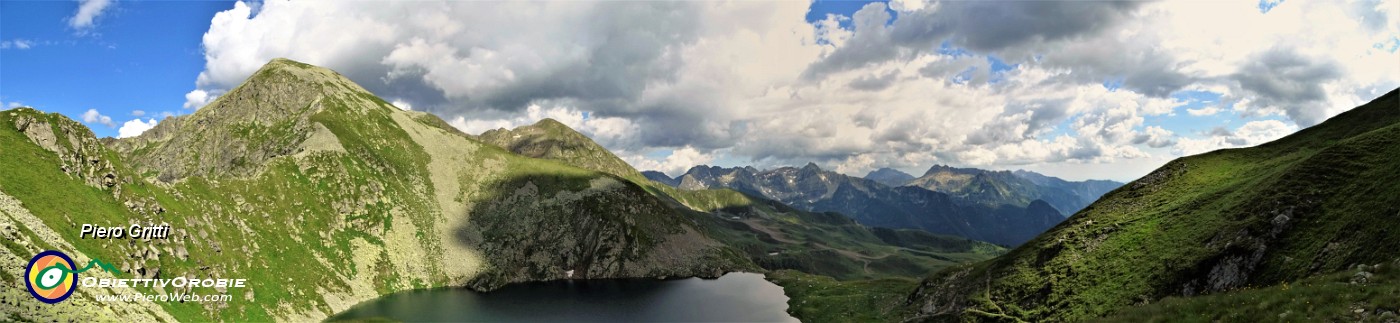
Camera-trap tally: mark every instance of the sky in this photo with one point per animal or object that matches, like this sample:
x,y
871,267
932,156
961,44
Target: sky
x,y
1075,89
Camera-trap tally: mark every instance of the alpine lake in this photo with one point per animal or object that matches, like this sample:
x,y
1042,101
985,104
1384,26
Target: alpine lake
x,y
734,297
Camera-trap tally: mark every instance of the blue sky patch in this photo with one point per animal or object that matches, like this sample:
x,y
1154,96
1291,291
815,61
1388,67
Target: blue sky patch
x,y
131,60
1266,5
821,8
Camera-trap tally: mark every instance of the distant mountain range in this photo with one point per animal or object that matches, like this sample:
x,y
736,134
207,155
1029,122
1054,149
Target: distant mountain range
x,y
1015,188
876,204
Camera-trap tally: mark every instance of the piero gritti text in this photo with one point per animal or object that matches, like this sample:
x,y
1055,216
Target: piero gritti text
x,y
134,231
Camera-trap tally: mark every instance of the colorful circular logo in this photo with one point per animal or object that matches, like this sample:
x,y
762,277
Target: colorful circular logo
x,y
51,277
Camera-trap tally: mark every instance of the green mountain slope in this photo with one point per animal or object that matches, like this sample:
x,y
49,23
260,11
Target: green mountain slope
x,y
322,196
1318,201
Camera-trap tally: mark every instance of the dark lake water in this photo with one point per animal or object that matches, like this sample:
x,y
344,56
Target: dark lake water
x,y
735,297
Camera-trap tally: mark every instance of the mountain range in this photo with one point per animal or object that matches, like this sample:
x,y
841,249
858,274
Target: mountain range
x,y
874,204
1018,188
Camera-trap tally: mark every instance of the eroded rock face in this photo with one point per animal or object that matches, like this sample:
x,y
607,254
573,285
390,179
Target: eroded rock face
x,y
79,154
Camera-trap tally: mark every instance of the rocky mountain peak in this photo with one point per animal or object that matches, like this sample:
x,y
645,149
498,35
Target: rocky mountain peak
x,y
267,116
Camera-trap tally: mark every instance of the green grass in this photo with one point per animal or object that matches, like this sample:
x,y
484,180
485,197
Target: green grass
x,y
1326,298
824,299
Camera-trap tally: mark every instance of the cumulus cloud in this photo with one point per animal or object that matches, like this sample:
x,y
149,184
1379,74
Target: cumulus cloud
x,y
755,82
1249,134
608,131
1206,111
135,127
198,99
92,116
401,104
88,12
986,26
874,83
1287,81
675,164
1155,137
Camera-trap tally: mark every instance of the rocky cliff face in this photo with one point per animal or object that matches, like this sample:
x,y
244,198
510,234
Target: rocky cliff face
x,y
79,155
323,196
1319,201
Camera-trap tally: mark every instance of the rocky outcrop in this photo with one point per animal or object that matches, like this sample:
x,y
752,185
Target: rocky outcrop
x,y
608,230
80,155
